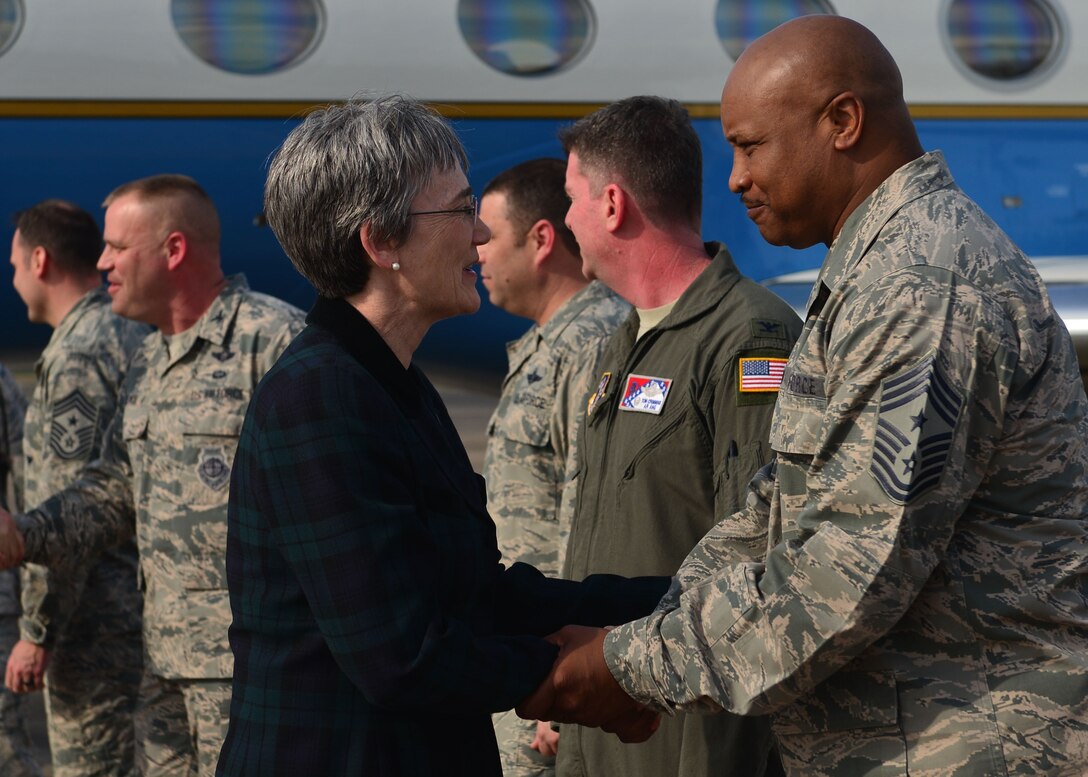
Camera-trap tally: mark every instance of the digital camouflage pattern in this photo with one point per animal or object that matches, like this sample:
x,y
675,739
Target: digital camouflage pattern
x,y
531,457
532,435
923,608
16,755
163,474
87,617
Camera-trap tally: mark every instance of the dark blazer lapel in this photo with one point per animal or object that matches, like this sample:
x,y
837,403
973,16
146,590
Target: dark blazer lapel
x,y
436,431
411,392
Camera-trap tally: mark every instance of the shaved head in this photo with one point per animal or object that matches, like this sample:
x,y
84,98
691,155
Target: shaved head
x,y
811,59
815,114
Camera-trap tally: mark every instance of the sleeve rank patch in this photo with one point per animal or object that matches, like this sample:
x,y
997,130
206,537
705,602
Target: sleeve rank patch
x,y
918,413
73,427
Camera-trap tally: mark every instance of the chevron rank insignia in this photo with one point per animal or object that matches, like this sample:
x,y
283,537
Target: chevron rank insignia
x,y
72,431
915,422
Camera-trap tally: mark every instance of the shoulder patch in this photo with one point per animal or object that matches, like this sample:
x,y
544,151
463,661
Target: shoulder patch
x,y
73,426
759,373
768,327
915,422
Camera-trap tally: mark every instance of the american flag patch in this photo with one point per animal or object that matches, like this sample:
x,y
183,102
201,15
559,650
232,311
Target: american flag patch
x,y
761,373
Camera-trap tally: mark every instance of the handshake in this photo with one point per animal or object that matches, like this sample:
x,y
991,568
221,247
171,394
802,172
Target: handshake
x,y
580,689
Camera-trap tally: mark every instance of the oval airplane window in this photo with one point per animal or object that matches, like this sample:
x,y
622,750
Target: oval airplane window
x,y
252,37
739,22
1004,40
11,21
527,37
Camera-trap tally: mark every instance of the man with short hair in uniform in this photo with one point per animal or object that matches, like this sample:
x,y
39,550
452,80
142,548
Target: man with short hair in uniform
x,y
682,399
531,267
80,629
165,465
923,607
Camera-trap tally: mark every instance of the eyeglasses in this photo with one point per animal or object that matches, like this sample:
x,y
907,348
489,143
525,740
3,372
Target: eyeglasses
x,y
473,209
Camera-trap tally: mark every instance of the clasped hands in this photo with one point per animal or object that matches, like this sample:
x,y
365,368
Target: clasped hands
x,y
581,689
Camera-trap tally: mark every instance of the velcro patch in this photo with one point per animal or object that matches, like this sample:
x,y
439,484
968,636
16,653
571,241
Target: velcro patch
x,y
915,422
645,394
596,396
760,373
73,427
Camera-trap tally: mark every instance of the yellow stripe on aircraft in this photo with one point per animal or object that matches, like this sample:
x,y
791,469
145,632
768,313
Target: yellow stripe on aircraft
x,y
456,110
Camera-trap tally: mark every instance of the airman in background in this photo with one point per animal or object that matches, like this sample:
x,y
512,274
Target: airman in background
x,y
531,267
165,465
16,755
80,628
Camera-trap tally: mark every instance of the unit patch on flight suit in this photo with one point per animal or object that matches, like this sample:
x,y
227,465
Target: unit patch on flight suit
x,y
645,394
917,416
71,434
597,395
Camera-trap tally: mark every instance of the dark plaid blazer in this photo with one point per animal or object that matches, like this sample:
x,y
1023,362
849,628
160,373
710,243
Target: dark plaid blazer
x,y
374,628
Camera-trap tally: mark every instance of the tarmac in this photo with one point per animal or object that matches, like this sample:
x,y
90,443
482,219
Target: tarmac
x,y
469,397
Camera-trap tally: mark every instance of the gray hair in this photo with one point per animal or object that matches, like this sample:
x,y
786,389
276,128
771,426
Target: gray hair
x,y
346,165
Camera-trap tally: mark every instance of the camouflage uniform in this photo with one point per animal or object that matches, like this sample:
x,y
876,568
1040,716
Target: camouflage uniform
x,y
651,483
88,618
923,608
531,457
16,757
164,473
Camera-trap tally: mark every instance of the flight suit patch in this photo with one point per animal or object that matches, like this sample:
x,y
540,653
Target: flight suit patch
x,y
915,422
596,396
72,431
645,394
758,379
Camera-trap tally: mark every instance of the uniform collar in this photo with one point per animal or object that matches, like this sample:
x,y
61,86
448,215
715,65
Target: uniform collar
x,y
214,326
517,351
706,292
925,175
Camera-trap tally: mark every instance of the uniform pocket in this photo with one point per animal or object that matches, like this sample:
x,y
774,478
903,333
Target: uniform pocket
x,y
208,448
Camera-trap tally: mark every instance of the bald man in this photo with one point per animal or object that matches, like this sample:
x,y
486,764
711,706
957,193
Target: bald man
x,y
923,607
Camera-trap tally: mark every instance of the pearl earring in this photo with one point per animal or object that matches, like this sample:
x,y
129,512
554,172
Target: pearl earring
x,y
396,266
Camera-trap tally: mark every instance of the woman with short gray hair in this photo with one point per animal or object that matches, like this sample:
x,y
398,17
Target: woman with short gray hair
x,y
369,603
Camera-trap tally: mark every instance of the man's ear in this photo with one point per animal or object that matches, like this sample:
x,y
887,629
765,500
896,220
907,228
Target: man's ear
x,y
177,248
845,115
541,237
40,262
615,203
381,251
